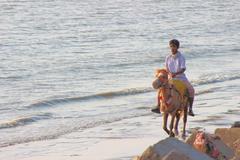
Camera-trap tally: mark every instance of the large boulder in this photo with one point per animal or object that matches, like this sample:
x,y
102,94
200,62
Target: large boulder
x,y
172,149
175,155
191,138
236,124
231,137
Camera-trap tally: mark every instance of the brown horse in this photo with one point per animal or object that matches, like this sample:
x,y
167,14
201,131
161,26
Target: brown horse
x,y
173,98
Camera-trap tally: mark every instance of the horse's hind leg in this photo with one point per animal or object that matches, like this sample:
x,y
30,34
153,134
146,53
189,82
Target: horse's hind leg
x,y
171,126
165,117
176,124
185,121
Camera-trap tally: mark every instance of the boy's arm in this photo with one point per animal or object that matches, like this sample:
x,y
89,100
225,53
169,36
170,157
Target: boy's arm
x,y
179,72
182,66
166,66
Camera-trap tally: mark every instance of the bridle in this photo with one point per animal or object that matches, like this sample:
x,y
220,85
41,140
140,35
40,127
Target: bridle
x,y
163,79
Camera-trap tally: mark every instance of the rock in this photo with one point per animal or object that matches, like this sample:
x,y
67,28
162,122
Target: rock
x,y
223,148
172,149
136,158
236,124
231,137
235,158
150,154
175,155
236,147
210,144
191,138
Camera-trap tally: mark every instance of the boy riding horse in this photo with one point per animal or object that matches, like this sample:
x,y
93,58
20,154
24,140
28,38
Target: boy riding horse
x,y
175,66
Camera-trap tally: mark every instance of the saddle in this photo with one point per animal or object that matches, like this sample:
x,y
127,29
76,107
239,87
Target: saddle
x,y
180,87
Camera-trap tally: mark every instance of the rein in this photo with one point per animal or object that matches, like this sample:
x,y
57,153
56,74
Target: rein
x,y
168,98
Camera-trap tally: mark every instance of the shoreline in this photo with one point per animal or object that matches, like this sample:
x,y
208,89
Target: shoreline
x,y
107,143
109,149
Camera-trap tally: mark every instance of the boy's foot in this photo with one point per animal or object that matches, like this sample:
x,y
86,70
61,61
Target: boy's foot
x,y
156,110
190,113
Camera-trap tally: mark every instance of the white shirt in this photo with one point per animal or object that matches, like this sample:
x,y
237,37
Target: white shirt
x,y
175,63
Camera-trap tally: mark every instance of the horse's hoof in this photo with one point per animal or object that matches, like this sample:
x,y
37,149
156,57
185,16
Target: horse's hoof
x,y
184,136
176,132
172,135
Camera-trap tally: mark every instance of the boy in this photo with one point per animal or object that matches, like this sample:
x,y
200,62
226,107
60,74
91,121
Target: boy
x,y
175,66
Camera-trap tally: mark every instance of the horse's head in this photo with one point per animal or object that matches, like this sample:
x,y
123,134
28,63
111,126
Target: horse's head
x,y
161,78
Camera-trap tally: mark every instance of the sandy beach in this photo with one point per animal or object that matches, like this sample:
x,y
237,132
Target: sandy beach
x,y
139,134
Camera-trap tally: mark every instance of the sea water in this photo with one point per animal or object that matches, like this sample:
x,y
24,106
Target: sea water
x,y
80,67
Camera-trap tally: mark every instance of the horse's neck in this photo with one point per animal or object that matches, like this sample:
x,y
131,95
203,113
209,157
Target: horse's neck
x,y
167,87
165,91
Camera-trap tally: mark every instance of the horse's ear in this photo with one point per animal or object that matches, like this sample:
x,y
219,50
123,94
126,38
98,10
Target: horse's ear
x,y
164,71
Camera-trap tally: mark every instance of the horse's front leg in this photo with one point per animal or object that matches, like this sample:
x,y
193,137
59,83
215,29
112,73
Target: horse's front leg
x,y
176,124
185,114
158,98
171,134
165,118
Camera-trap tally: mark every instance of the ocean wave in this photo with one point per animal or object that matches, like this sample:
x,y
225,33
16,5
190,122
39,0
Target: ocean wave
x,y
24,120
63,130
204,79
205,91
15,76
215,78
125,92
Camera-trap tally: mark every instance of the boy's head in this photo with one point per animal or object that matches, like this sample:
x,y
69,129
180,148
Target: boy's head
x,y
174,42
174,45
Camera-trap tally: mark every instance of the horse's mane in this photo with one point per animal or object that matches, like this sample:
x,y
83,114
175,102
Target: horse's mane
x,y
164,71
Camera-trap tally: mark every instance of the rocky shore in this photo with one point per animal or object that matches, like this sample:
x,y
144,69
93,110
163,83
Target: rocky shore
x,y
223,144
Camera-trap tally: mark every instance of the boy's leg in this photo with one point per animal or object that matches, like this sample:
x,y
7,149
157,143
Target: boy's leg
x,y
190,112
156,109
191,97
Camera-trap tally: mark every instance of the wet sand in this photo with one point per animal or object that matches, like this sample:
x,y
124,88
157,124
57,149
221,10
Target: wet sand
x,y
135,136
